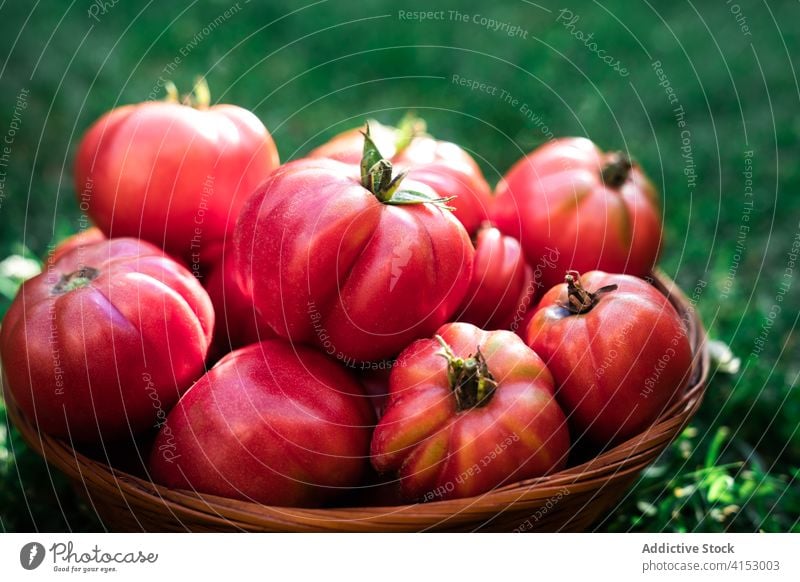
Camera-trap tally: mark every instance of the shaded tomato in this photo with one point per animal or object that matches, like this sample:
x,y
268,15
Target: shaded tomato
x,y
469,411
270,423
618,351
172,174
105,340
358,266
589,209
501,288
237,321
443,166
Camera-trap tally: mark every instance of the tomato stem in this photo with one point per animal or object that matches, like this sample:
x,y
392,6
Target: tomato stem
x,y
75,280
199,98
376,176
470,380
616,170
579,300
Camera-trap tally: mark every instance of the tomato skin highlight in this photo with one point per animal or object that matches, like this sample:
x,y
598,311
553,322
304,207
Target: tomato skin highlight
x,y
171,174
329,264
557,203
270,423
103,343
618,365
443,166
441,452
502,287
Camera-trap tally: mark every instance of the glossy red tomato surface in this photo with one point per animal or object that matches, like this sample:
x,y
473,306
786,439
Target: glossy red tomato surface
x,y
469,413
501,288
588,209
270,423
442,165
618,351
103,342
171,174
359,272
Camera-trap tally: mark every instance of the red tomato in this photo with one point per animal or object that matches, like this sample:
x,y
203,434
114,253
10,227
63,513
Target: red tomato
x,y
105,340
237,321
443,166
501,288
618,353
270,423
469,415
360,268
586,208
174,175
78,240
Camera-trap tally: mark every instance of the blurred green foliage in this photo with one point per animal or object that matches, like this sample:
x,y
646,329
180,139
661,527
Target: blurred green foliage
x,y
309,70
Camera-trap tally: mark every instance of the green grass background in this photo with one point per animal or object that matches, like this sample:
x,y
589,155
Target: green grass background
x,y
310,70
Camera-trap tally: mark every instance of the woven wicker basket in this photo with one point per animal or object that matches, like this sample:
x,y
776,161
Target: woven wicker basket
x,y
570,500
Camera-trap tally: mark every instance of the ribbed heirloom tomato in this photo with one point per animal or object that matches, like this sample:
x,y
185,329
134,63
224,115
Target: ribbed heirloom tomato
x,y
172,174
589,209
501,288
617,349
443,166
467,412
358,265
270,423
103,342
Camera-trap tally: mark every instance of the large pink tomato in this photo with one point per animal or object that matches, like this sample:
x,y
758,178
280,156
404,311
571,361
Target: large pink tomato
x,y
443,166
469,411
359,266
270,423
105,340
502,287
617,349
588,209
172,174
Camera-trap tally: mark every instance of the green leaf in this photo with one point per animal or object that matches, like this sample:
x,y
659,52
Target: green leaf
x,y
647,508
719,487
370,157
404,197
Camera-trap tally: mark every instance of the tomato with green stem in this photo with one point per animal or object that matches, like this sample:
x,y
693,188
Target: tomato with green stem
x,y
468,411
357,261
175,174
442,165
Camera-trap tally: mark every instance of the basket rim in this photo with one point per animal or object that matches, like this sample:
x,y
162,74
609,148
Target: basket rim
x,y
624,460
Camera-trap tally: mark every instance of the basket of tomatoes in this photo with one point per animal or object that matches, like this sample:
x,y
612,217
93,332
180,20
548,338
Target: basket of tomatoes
x,y
366,339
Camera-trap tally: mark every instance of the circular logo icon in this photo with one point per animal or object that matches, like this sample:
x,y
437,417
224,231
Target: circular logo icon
x,y
31,555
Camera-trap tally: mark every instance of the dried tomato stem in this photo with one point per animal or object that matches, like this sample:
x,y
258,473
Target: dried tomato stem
x,y
470,380
579,300
616,170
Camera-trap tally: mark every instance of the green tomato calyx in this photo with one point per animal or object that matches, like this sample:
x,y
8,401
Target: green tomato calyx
x,y
472,384
377,177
